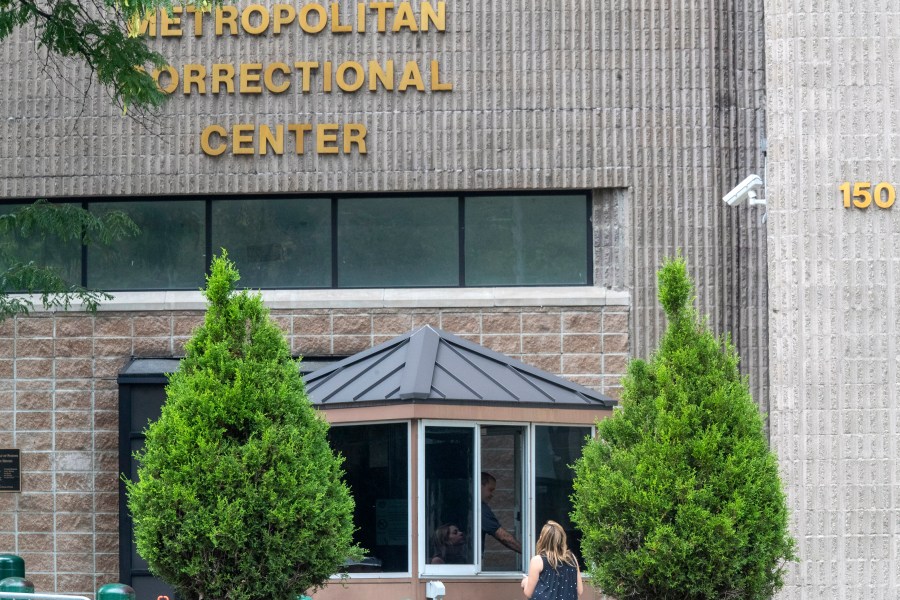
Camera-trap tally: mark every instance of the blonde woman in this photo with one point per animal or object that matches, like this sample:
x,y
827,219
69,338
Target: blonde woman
x,y
449,546
553,573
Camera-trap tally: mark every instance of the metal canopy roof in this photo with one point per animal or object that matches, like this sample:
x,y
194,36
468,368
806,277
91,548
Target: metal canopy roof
x,y
431,366
157,370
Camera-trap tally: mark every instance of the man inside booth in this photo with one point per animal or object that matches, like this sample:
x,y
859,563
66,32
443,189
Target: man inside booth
x,y
490,525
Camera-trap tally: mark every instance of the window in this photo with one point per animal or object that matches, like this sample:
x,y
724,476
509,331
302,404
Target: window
x,y
295,250
398,242
376,467
406,241
526,240
169,252
63,256
502,488
556,450
475,482
449,496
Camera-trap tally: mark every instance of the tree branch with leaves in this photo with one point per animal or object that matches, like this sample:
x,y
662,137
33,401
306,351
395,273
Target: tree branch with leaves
x,y
103,35
23,277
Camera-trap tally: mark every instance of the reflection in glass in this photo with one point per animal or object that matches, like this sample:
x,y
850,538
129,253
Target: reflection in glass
x,y
556,448
526,240
64,257
449,494
398,242
376,467
276,243
168,254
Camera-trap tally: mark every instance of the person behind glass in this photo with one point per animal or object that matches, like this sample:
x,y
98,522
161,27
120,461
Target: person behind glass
x,y
490,525
449,546
553,572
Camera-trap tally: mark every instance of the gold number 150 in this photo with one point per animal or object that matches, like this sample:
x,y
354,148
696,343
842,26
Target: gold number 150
x,y
863,194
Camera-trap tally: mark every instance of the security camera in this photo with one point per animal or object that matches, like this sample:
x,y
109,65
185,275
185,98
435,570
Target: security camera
x,y
745,190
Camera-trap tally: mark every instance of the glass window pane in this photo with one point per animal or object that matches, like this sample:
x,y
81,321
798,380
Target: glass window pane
x,y
64,257
376,467
146,405
556,448
398,242
449,495
276,243
526,240
168,254
502,484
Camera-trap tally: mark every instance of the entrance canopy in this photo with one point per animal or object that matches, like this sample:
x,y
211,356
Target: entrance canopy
x,y
431,366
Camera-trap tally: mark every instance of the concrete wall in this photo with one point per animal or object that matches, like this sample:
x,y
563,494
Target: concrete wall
x,y
662,99
833,84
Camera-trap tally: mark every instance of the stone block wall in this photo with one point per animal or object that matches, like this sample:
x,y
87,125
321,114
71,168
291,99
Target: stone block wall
x,y
662,102
59,403
834,291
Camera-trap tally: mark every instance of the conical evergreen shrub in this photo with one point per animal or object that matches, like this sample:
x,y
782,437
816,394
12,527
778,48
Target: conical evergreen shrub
x,y
679,496
239,495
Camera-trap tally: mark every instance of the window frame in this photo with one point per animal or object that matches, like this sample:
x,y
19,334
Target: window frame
x,y
335,199
409,502
529,455
426,569
532,473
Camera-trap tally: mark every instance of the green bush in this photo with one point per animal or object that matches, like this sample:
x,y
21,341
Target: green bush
x,y
678,496
239,494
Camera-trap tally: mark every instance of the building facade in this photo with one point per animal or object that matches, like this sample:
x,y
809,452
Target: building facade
x,y
512,174
831,70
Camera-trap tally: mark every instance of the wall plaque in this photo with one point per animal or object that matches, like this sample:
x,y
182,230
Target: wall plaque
x,y
10,471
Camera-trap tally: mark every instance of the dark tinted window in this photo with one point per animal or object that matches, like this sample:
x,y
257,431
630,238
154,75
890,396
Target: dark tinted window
x,y
376,467
168,254
63,256
450,495
526,240
362,242
276,243
556,448
398,242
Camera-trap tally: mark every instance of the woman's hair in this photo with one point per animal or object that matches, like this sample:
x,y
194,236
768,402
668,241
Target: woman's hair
x,y
444,550
552,544
442,536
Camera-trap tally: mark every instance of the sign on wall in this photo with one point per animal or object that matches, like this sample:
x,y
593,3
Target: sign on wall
x,y
10,471
297,74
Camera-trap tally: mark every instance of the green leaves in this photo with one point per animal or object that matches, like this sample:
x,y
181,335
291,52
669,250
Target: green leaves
x,y
679,495
67,222
240,496
99,37
675,288
60,223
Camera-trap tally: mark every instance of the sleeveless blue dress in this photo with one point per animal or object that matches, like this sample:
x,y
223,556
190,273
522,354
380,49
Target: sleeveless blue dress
x,y
556,584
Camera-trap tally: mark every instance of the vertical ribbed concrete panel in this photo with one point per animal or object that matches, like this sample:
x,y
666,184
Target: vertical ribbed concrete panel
x,y
662,98
833,279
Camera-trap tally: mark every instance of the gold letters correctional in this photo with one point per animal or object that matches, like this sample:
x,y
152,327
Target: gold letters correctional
x,y
300,76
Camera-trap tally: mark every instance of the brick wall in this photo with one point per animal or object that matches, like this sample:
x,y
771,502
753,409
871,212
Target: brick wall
x,y
59,404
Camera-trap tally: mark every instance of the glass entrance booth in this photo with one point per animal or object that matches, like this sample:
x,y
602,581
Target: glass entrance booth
x,y
456,456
